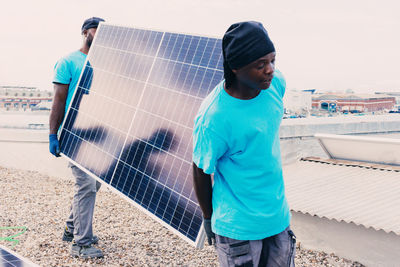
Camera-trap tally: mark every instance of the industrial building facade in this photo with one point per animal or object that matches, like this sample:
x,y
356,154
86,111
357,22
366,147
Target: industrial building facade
x,y
353,102
22,98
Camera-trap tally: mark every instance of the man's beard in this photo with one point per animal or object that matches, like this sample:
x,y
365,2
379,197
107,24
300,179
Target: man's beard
x,y
89,40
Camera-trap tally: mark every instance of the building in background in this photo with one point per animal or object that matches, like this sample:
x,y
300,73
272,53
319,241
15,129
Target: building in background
x,y
354,103
396,95
23,98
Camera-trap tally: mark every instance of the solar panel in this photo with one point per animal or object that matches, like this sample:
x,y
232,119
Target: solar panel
x,y
130,123
9,258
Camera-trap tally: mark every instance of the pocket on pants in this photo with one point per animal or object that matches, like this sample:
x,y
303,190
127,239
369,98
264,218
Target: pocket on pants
x,y
234,253
292,249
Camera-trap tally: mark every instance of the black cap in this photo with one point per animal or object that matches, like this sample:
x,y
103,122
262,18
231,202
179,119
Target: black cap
x,y
245,42
91,23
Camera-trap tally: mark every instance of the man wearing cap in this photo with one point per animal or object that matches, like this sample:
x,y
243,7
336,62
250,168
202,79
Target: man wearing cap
x,y
236,138
66,75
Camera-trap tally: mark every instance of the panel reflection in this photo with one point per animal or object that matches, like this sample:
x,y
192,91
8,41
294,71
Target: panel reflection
x,y
131,120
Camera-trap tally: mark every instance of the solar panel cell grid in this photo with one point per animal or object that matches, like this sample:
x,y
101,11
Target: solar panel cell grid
x,y
130,123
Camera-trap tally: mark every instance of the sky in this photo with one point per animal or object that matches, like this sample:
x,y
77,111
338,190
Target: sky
x,y
326,45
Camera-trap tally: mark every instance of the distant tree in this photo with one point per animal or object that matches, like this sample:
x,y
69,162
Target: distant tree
x,y
16,94
23,94
38,94
31,94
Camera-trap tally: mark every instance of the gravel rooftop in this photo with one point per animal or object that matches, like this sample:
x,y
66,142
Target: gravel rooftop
x,y
127,236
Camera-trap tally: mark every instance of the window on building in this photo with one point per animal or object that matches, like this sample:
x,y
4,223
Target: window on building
x,y
325,106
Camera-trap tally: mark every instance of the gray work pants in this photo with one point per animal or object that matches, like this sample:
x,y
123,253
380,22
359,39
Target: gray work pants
x,y
274,251
81,216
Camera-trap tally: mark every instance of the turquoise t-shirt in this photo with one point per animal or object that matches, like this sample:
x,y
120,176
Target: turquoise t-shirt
x,y
238,141
67,71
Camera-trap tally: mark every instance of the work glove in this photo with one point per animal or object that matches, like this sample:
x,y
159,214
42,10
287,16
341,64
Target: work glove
x,y
54,145
210,234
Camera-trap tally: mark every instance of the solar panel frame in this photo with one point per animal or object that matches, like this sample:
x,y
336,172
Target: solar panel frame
x,y
201,63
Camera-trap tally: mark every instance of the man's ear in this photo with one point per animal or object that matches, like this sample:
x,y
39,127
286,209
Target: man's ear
x,y
84,33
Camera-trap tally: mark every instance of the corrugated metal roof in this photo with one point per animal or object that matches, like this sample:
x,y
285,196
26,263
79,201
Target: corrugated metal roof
x,y
364,195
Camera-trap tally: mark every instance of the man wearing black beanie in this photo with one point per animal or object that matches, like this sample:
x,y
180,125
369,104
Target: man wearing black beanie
x,y
236,138
78,228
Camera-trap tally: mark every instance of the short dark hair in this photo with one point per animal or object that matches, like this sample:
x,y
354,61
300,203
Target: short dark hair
x,y
229,76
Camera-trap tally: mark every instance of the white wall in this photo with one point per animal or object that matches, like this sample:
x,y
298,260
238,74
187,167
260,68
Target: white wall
x,y
297,101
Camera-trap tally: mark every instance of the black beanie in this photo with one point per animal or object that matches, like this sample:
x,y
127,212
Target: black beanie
x,y
245,42
92,22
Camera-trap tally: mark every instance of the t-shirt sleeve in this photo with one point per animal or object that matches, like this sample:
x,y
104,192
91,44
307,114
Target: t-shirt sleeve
x,y
62,73
208,147
281,82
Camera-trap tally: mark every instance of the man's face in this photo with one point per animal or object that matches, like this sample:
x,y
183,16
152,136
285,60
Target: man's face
x,y
89,35
259,73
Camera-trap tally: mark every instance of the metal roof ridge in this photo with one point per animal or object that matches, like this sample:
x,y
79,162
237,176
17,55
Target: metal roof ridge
x,y
350,163
348,221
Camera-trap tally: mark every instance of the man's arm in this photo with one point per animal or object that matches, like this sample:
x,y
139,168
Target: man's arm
x,y
58,107
57,116
203,188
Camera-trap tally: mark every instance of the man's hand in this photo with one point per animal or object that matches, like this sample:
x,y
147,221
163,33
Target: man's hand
x,y
54,145
210,234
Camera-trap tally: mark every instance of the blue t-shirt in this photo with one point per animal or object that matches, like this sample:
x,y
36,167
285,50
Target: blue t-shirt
x,y
238,141
67,71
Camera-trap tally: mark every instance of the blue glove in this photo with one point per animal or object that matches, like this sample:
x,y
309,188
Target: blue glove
x,y
54,145
210,234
